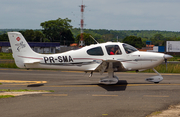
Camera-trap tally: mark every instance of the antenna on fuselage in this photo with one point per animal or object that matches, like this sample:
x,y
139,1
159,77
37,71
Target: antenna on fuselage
x,y
94,39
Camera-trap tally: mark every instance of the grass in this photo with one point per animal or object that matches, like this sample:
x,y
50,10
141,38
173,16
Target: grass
x,y
20,90
171,68
175,58
154,113
6,96
24,90
8,65
0,83
9,56
6,56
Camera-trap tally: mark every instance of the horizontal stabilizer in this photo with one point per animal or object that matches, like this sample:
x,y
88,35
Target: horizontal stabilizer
x,y
31,61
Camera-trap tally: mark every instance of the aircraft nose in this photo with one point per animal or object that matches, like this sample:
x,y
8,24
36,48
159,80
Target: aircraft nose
x,y
167,56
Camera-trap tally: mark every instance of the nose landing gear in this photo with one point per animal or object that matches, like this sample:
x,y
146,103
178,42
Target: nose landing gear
x,y
155,79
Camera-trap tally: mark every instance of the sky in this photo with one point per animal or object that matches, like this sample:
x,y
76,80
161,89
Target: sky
x,y
98,14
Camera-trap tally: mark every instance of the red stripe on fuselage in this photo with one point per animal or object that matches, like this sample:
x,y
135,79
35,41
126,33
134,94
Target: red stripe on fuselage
x,y
30,57
87,58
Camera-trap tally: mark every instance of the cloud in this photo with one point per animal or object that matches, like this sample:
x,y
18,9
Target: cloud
x,y
98,14
126,14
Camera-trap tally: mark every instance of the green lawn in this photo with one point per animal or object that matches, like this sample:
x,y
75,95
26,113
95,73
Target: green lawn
x,y
6,96
6,55
20,90
172,68
24,90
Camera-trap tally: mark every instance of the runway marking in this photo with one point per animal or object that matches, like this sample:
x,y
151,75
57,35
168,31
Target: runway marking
x,y
156,96
113,85
152,84
22,84
55,95
74,71
171,74
105,95
20,81
69,86
149,73
83,71
73,86
20,93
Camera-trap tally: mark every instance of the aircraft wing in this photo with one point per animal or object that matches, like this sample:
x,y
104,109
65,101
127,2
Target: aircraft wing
x,y
117,66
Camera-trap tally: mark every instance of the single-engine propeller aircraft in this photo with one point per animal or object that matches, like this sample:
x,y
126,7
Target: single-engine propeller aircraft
x,y
105,57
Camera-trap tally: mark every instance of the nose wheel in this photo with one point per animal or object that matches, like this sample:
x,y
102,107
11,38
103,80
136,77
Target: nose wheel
x,y
155,79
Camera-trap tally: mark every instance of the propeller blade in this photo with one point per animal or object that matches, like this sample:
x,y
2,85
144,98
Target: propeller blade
x,y
166,57
165,63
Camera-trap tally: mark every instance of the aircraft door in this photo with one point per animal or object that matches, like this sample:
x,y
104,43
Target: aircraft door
x,y
113,50
114,53
133,58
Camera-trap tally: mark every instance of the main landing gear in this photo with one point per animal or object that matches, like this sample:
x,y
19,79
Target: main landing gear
x,y
155,79
110,79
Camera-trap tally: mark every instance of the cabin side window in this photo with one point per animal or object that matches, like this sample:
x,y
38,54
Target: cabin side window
x,y
97,51
129,49
113,50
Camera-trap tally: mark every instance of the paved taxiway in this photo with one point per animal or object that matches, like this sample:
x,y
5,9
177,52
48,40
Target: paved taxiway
x,y
77,95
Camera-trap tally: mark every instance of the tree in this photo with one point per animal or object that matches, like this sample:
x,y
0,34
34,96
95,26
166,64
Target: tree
x,y
29,35
55,30
87,39
158,39
38,36
107,37
67,38
4,37
134,41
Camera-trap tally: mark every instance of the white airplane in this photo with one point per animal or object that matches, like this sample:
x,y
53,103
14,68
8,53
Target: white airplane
x,y
105,57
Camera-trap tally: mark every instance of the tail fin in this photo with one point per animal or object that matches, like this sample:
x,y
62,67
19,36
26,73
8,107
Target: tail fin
x,y
22,52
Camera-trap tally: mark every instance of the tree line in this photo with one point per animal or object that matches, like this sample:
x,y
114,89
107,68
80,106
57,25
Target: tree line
x,y
61,31
53,31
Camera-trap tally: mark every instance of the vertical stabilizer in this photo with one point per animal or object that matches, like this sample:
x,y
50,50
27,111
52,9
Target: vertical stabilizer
x,y
22,52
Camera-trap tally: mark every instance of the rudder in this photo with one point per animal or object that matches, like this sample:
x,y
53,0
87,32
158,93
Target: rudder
x,y
20,48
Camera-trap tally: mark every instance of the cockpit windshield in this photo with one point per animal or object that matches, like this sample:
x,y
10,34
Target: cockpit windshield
x,y
129,49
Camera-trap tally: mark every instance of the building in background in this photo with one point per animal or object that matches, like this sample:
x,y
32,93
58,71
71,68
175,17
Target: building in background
x,y
37,47
152,48
173,47
47,47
